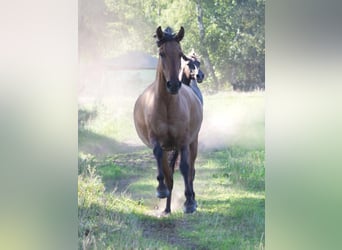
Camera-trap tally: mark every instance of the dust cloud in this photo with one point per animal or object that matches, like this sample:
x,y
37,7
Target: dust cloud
x,y
228,118
232,118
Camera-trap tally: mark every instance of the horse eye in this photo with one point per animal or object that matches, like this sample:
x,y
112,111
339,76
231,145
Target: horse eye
x,y
162,54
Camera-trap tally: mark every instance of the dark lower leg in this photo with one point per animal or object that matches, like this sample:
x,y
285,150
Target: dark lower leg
x,y
190,203
192,182
193,156
168,205
162,190
184,168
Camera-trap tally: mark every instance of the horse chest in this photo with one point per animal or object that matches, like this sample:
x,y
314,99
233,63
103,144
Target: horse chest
x,y
167,128
169,133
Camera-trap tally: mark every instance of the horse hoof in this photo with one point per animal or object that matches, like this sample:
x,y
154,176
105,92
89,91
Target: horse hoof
x,y
163,192
190,206
167,211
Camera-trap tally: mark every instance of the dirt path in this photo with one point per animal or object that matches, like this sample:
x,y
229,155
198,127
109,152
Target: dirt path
x,y
157,228
140,160
167,230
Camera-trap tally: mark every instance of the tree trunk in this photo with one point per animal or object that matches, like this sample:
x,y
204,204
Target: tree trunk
x,y
204,51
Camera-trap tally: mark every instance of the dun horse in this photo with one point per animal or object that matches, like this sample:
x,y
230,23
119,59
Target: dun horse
x,y
168,117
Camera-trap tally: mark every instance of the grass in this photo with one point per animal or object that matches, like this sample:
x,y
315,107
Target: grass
x,y
107,221
240,166
117,180
228,216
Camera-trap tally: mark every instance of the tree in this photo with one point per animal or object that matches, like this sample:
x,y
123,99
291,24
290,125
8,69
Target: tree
x,y
235,38
203,49
228,34
91,28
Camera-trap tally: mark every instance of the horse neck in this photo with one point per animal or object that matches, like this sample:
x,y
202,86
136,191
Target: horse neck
x,y
160,83
193,82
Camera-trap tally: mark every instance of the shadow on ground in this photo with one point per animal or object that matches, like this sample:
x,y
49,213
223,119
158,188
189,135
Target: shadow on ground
x,y
101,146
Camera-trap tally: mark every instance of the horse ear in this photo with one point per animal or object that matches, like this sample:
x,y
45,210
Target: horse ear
x,y
180,34
159,33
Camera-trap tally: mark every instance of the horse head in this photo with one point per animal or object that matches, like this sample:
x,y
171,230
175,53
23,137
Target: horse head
x,y
191,69
195,71
170,53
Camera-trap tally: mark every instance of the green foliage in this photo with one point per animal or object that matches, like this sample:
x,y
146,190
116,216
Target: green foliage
x,y
233,33
84,116
235,39
128,28
85,162
117,207
108,221
89,164
242,167
92,21
89,192
240,226
111,171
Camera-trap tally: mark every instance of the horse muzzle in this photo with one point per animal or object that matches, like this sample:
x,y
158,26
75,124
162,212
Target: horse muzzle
x,y
173,87
200,76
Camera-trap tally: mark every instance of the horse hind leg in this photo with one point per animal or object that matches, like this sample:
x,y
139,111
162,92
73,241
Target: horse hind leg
x,y
162,190
193,156
173,159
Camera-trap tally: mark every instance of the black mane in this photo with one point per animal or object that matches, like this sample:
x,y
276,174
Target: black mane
x,y
168,35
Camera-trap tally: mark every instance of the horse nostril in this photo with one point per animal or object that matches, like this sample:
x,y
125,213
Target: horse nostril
x,y
173,86
170,84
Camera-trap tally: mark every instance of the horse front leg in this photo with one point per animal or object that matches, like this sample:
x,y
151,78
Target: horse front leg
x,y
190,204
169,169
162,190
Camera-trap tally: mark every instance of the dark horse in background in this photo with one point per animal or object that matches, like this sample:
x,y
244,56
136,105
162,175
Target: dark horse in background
x,y
192,74
168,118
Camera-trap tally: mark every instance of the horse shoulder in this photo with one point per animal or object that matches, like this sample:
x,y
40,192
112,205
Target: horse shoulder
x,y
143,114
192,100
